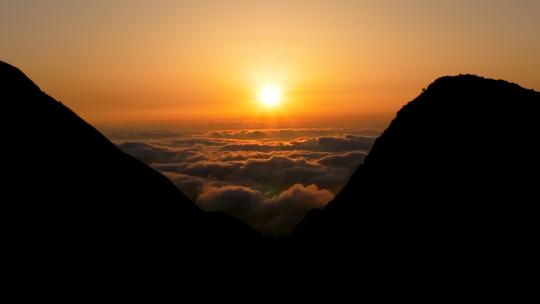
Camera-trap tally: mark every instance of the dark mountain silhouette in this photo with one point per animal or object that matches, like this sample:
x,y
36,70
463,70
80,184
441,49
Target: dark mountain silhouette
x,y
450,185
73,200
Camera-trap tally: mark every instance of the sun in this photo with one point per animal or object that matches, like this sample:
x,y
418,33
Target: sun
x,y
270,96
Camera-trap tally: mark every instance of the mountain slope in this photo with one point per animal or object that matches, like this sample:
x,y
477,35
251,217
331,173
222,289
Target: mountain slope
x,y
450,185
70,195
451,182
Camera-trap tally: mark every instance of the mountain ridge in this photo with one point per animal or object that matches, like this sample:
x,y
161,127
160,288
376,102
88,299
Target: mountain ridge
x,y
71,189
436,182
435,187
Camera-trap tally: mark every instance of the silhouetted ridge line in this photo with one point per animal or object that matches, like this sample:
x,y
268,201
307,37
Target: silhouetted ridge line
x,y
448,189
449,186
69,189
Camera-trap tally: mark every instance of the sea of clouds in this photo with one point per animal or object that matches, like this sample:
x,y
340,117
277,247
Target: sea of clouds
x,y
267,178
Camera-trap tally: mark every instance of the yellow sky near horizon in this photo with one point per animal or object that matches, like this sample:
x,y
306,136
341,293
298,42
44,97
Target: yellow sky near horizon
x,y
136,61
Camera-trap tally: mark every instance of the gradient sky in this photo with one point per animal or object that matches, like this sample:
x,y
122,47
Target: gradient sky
x,y
142,61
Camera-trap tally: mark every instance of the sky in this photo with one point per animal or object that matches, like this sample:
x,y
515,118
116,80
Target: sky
x,y
336,62
260,109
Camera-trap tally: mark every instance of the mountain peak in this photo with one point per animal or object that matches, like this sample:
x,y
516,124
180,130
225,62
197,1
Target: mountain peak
x,y
69,189
467,84
451,174
13,80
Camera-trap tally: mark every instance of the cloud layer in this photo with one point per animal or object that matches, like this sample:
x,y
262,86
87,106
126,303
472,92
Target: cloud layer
x,y
267,178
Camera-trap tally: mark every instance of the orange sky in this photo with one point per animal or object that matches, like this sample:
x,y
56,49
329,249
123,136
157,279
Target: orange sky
x,y
152,61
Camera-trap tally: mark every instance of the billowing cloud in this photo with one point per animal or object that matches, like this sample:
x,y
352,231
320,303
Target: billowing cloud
x,y
192,186
334,143
205,168
280,214
238,201
282,134
138,135
316,144
276,215
267,178
349,160
278,172
150,153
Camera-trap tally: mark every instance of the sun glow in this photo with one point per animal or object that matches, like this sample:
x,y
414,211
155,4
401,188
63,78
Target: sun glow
x,y
270,96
